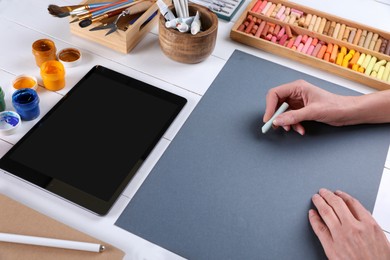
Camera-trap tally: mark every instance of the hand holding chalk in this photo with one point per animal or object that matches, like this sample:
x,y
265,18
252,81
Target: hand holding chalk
x,y
268,125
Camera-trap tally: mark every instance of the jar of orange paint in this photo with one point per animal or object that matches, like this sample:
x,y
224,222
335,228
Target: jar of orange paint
x,y
44,50
53,75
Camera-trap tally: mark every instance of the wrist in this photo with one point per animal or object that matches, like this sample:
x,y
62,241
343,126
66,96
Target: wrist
x,y
367,109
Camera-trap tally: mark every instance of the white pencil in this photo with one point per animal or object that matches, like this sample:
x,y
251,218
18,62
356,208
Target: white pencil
x,y
268,125
51,242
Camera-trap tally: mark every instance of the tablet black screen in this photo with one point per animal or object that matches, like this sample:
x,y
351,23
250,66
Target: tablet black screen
x,y
91,143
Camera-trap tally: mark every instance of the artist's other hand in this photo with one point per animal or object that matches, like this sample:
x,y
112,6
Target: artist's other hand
x,y
306,102
346,229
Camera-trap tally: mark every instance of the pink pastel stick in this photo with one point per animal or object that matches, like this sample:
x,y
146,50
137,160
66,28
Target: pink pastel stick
x,y
280,12
316,49
283,39
307,45
300,47
310,50
298,40
261,7
290,43
281,32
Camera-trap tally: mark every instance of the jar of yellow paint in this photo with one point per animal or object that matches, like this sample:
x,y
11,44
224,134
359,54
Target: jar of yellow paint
x,y
53,75
25,81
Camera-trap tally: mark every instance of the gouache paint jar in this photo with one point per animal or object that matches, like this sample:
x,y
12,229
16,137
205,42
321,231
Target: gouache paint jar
x,y
53,75
2,101
26,103
25,81
44,50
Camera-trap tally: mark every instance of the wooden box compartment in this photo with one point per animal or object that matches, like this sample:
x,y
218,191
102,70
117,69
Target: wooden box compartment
x,y
240,32
125,38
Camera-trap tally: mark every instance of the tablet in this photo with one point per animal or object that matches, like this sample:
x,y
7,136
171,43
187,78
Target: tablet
x,y
88,147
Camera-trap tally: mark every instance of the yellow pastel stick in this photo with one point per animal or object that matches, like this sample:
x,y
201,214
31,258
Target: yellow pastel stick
x,y
352,52
386,73
371,65
340,57
346,60
361,59
380,72
343,50
378,64
355,67
366,61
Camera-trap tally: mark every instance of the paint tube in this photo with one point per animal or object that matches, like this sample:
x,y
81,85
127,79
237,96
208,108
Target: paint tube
x,y
195,25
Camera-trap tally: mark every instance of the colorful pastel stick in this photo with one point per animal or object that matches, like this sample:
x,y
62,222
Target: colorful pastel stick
x,y
361,59
366,61
380,72
307,45
280,12
386,73
357,37
268,124
321,52
256,6
378,65
370,65
333,55
354,59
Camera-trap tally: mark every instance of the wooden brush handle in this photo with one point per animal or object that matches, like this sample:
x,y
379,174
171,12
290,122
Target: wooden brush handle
x,y
104,7
107,15
140,6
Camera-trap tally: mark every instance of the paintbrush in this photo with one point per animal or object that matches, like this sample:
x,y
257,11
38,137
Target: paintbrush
x,y
103,9
88,21
63,11
135,8
131,8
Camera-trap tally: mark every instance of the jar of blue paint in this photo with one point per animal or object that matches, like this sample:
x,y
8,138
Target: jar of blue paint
x,y
26,103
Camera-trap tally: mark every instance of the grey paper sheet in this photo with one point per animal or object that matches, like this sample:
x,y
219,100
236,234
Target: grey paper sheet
x,y
223,190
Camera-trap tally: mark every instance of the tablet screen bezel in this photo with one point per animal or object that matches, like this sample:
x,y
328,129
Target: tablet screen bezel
x,y
67,191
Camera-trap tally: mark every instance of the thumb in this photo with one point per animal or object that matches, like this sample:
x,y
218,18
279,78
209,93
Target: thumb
x,y
291,117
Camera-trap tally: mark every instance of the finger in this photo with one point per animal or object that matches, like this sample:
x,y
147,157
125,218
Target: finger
x,y
293,117
286,128
272,102
356,208
326,212
276,96
339,207
299,129
320,229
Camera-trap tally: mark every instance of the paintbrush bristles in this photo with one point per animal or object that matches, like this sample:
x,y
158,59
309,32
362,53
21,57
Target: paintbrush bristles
x,y
61,11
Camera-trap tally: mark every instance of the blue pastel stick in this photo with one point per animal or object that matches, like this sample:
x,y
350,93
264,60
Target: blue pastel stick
x,y
268,125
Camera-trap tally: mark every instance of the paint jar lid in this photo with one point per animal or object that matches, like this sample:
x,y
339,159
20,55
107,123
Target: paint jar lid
x,y
9,122
69,57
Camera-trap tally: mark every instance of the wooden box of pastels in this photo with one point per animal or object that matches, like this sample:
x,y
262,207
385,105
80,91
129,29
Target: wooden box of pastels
x,y
318,39
119,25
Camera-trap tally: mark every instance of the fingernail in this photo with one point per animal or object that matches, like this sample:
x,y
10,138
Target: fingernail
x,y
286,128
338,192
276,122
300,131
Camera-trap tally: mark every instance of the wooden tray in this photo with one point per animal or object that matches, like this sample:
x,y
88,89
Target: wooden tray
x,y
125,39
273,47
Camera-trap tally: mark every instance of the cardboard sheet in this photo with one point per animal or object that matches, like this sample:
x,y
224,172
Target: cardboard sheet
x,y
16,218
224,190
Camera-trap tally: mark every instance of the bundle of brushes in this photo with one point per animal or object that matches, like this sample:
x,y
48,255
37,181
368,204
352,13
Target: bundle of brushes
x,y
87,14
